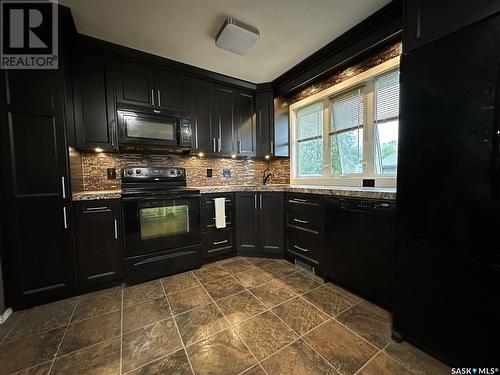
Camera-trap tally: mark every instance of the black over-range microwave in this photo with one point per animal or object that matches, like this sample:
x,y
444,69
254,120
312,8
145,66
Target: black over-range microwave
x,y
152,133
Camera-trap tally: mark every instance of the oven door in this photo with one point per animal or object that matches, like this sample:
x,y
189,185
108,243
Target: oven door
x,y
160,223
139,129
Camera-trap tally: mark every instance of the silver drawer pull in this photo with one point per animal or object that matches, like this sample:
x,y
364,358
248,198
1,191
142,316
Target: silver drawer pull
x,y
65,219
220,242
116,229
301,221
96,208
300,248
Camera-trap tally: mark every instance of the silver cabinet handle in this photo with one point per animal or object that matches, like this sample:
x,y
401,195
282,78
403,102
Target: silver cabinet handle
x,y
101,208
301,221
255,201
159,99
65,219
214,144
116,229
153,97
239,147
272,147
261,201
63,185
219,141
220,242
300,248
112,129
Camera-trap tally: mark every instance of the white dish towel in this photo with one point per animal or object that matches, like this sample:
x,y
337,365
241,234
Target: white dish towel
x,y
220,212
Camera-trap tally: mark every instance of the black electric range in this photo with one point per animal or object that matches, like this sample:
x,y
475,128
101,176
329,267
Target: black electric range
x,y
161,219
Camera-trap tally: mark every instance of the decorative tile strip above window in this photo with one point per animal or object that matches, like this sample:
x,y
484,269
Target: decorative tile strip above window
x,y
339,76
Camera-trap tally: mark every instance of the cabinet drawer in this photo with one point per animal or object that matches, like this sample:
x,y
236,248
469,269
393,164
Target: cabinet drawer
x,y
303,244
100,207
208,199
306,219
218,243
302,201
208,218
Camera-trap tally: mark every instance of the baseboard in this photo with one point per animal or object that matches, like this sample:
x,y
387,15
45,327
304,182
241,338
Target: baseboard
x,y
5,315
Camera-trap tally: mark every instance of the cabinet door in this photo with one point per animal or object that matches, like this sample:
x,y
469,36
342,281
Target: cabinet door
x,y
271,215
428,20
171,92
245,124
93,90
431,283
265,123
224,120
201,108
247,223
135,86
39,250
98,244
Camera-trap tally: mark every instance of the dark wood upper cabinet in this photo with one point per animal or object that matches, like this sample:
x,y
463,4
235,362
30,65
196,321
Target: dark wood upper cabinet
x,y
265,123
280,118
135,86
201,108
224,120
171,91
98,242
94,100
426,20
38,260
246,133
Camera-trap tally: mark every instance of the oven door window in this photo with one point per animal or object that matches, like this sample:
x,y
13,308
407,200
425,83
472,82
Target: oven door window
x,y
164,221
144,128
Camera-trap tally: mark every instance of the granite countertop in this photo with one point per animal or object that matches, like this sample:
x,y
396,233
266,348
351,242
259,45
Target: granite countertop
x,y
101,194
349,191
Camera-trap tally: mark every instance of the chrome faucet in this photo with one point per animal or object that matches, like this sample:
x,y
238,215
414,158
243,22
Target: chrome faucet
x,y
266,176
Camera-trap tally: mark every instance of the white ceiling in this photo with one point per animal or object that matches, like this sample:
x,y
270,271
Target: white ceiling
x,y
184,30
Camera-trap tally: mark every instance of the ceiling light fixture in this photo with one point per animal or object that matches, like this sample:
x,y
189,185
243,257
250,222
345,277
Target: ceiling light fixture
x,y
236,37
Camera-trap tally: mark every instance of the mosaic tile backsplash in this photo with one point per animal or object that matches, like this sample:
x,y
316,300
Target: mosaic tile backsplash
x,y
243,171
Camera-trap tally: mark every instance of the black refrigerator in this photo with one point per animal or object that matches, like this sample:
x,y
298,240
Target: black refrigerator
x,y
448,217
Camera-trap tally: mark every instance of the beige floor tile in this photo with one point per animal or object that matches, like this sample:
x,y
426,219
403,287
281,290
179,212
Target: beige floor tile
x,y
300,315
142,314
265,334
223,353
188,299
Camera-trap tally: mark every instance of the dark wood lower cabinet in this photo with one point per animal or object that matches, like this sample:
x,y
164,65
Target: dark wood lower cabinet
x,y
218,243
98,242
259,224
40,265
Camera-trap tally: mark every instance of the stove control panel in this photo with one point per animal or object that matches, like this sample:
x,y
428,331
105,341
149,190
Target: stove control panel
x,y
152,173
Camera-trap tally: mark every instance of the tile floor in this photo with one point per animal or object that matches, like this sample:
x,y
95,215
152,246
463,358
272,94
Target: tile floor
x,y
238,316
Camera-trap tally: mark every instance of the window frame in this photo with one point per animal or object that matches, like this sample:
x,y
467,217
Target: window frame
x,y
367,80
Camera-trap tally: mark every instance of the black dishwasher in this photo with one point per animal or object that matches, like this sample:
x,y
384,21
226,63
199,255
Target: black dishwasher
x,y
359,246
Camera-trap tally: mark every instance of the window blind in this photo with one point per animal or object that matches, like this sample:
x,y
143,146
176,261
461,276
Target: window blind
x,y
310,121
387,96
348,110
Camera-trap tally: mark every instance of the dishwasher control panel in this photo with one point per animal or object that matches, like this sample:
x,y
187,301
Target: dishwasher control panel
x,y
369,205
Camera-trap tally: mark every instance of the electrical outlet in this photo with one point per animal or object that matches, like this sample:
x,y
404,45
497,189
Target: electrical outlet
x,y
226,172
111,173
209,172
368,182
